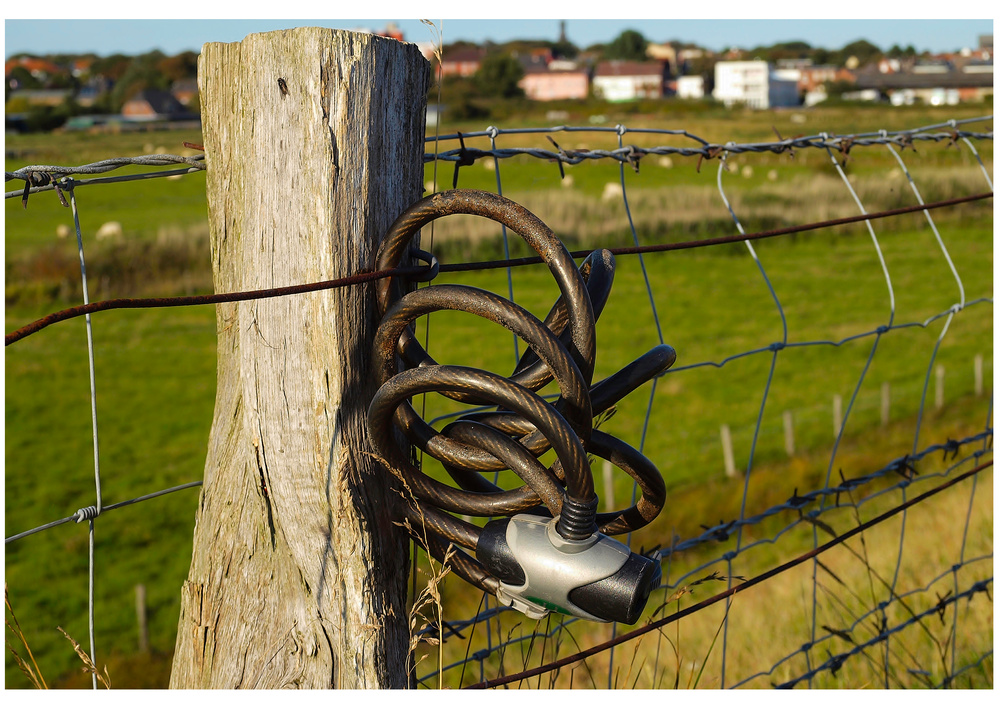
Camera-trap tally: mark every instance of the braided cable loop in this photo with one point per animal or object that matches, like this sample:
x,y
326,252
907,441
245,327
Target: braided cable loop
x,y
523,426
518,219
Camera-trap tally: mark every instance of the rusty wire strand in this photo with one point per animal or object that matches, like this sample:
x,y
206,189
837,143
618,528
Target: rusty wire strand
x,y
127,303
212,299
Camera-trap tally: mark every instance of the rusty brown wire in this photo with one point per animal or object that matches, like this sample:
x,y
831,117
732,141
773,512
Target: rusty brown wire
x,y
414,273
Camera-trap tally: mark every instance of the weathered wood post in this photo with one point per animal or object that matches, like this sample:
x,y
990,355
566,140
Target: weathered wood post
x,y
727,450
141,617
314,143
789,429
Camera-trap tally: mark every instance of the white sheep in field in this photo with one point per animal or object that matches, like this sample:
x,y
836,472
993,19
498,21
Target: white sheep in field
x,y
612,191
111,230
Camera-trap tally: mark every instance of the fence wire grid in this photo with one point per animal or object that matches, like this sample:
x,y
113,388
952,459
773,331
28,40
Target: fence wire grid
x,y
869,627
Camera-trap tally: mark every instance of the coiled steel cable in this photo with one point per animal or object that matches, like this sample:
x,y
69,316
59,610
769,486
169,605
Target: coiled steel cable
x,y
524,425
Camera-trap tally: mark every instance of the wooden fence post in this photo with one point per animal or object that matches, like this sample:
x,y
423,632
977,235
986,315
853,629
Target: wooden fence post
x,y
838,415
314,141
727,450
140,615
789,424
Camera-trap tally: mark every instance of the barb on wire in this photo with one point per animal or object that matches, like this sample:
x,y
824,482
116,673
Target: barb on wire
x,y
805,557
684,581
957,453
631,154
796,502
47,178
835,662
104,166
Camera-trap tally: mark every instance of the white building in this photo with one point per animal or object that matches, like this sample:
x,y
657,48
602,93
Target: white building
x,y
754,84
622,81
690,87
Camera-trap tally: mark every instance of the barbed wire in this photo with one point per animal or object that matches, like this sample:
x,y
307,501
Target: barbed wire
x,y
57,178
41,178
45,177
745,585
903,467
837,634
632,155
724,531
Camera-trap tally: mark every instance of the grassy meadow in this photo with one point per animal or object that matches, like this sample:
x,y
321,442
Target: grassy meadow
x,y
155,373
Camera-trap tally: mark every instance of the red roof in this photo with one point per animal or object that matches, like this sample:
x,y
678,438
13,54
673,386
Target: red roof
x,y
32,64
624,68
473,54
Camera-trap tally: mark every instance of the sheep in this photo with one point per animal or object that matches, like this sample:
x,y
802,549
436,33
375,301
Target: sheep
x,y
110,230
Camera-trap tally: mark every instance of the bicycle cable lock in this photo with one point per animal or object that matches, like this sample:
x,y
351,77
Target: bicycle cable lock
x,y
547,549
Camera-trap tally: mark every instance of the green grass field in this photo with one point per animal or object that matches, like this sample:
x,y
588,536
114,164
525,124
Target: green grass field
x,y
156,368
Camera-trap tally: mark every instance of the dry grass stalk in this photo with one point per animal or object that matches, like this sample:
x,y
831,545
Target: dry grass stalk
x,y
430,596
88,664
30,670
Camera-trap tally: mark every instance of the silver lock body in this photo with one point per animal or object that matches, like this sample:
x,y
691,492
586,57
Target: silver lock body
x,y
553,567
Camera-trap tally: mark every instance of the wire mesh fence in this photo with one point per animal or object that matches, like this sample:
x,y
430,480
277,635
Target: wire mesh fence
x,y
864,615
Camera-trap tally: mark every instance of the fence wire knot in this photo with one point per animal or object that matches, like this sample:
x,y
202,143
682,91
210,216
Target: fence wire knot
x,y
87,513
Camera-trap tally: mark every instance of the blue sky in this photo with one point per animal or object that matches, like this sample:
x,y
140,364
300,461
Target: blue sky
x,y
132,36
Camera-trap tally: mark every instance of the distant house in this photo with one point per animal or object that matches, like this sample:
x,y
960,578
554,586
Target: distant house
x,y
535,59
40,69
92,90
151,104
81,66
815,81
691,87
462,63
971,83
754,84
623,81
185,90
391,30
816,77
556,81
87,96
41,97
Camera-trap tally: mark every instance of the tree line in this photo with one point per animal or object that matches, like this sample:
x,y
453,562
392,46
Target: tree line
x,y
114,79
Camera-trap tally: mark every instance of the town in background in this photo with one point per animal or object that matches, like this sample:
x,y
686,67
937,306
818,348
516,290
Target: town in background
x,y
478,81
